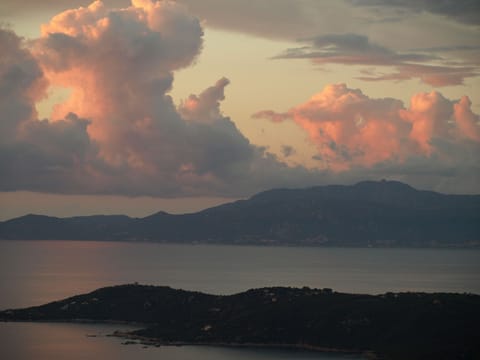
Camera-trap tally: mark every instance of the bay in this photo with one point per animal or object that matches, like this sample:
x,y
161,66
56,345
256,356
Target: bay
x,y
36,272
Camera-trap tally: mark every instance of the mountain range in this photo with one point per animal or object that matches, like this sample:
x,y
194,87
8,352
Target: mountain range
x,y
369,213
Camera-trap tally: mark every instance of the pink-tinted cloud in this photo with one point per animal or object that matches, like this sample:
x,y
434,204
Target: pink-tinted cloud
x,y
467,121
205,107
120,132
429,115
118,65
351,130
433,75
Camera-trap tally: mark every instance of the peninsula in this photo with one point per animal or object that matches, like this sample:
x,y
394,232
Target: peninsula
x,y
390,326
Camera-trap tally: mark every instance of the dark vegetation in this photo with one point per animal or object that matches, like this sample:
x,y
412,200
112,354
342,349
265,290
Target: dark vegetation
x,y
393,325
385,213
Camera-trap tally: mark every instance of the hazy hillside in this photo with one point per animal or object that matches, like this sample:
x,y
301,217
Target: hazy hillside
x,y
385,213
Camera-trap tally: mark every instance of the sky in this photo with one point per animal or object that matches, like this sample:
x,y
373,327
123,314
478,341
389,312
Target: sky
x,y
133,107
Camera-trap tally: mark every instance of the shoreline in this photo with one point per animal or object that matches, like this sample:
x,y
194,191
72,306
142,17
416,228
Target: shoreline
x,y
267,244
79,321
133,339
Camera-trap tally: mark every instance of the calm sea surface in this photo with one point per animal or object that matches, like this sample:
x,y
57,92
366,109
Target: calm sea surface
x,y
35,272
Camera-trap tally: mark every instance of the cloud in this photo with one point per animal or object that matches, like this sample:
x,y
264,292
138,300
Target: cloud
x,y
288,150
205,108
21,83
303,19
119,132
37,154
354,49
119,66
292,19
467,121
345,30
230,14
353,132
284,19
49,157
463,11
27,7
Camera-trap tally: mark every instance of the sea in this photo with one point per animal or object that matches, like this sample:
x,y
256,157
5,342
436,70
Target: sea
x,y
37,272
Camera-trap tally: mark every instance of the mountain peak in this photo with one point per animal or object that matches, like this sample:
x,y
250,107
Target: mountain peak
x,y
384,184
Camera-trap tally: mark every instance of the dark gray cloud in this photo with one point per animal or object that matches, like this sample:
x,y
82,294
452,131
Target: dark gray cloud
x,y
49,157
220,12
428,65
269,18
292,19
283,19
288,150
464,11
352,49
28,7
18,71
300,19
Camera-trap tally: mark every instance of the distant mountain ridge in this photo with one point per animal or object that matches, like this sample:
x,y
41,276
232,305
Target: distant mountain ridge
x,y
370,213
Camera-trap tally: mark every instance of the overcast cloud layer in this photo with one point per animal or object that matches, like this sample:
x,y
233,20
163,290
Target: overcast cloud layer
x,y
365,33
121,133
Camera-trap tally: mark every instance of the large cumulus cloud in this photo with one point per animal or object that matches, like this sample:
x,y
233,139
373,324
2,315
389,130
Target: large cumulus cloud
x,y
353,133
119,131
